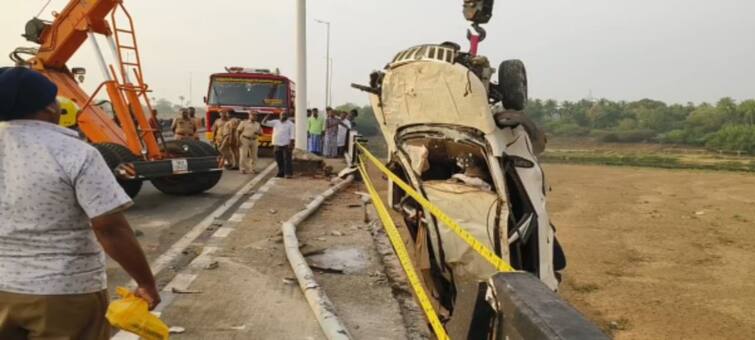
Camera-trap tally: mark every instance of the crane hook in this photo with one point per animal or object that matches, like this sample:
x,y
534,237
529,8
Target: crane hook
x,y
475,38
477,30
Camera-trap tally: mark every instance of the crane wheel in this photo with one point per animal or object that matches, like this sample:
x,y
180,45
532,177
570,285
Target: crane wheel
x,y
512,83
116,154
189,184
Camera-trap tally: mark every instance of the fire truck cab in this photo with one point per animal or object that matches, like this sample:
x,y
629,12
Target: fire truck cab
x,y
244,90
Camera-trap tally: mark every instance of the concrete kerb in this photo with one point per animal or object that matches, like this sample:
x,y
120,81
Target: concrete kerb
x,y
318,301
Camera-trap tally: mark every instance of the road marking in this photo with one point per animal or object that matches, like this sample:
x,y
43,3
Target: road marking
x,y
237,218
181,282
204,259
184,279
175,251
248,205
224,232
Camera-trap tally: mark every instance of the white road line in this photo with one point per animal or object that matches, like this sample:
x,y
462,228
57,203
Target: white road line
x,y
204,259
175,251
266,187
237,218
248,205
182,281
223,232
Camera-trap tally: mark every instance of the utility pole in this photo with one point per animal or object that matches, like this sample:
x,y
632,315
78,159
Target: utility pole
x,y
327,64
301,69
330,85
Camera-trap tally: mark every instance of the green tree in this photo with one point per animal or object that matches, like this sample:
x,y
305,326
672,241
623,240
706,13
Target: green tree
x,y
367,125
734,138
166,108
727,108
627,124
747,110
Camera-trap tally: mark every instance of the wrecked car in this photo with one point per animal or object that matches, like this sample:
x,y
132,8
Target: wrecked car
x,y
465,144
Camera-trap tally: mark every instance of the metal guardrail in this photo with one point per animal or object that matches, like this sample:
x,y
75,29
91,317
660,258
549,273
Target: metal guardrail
x,y
527,309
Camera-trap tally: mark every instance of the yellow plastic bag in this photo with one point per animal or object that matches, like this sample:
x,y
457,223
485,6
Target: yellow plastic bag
x,y
132,315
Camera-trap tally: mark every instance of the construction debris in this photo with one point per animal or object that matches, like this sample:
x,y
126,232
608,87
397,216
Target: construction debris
x,y
212,265
326,270
175,290
177,330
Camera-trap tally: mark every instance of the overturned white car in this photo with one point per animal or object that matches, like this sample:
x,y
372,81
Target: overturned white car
x,y
464,143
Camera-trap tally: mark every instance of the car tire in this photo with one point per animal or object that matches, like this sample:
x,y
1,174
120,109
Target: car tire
x,y
114,155
512,83
188,184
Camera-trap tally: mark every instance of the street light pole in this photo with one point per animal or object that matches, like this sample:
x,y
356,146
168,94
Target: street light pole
x,y
327,64
301,81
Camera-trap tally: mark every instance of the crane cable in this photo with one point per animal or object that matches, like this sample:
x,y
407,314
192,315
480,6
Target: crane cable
x,y
43,8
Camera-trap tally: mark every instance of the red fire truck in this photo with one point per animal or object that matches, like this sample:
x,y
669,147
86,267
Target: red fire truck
x,y
243,90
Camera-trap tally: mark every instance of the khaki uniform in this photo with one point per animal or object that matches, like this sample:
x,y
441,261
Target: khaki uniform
x,y
184,128
248,133
198,123
217,129
54,317
229,146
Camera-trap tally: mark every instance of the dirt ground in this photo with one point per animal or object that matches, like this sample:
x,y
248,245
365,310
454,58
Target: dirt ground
x,y
658,254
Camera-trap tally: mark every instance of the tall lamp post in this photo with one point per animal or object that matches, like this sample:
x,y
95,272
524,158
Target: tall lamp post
x,y
327,65
301,69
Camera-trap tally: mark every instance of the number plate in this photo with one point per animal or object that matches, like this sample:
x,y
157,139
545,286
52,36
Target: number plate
x,y
180,165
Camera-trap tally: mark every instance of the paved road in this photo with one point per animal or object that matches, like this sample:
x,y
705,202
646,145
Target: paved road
x,y
160,220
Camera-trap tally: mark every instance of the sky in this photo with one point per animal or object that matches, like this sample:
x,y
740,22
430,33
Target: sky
x,y
673,50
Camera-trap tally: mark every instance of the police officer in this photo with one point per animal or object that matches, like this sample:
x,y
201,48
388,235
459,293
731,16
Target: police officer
x,y
217,128
229,146
197,121
249,132
184,127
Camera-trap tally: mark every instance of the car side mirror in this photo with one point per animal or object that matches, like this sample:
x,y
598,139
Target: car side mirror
x,y
205,99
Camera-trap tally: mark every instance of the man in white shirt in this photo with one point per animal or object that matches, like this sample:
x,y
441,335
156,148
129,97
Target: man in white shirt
x,y
61,210
344,127
283,143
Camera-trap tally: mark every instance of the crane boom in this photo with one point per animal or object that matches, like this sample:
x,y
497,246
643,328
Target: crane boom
x,y
59,40
127,140
69,31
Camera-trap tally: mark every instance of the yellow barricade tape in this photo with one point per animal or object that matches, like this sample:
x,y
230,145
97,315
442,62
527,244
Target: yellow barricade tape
x,y
403,255
497,262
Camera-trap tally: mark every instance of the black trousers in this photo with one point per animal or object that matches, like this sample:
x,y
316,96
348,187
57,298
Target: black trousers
x,y
284,159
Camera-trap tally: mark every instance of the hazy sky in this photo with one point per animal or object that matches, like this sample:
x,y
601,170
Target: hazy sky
x,y
672,50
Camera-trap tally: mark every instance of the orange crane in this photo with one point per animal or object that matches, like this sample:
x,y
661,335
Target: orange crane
x,y
132,147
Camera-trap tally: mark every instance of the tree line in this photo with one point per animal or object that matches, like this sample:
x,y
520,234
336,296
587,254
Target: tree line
x,y
727,125
724,126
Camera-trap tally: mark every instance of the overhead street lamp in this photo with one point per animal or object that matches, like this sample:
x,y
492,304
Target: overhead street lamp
x,y
328,79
